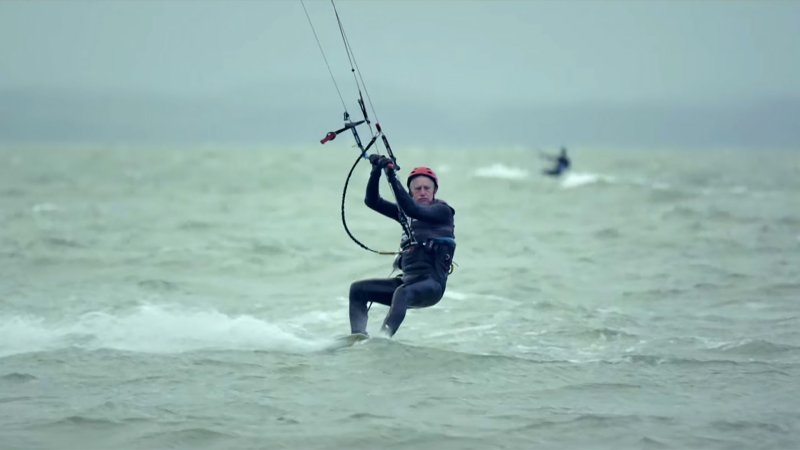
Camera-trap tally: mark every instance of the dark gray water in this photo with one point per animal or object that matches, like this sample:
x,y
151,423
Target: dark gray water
x,y
184,298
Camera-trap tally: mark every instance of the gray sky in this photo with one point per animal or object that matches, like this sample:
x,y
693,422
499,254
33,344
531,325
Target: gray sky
x,y
534,73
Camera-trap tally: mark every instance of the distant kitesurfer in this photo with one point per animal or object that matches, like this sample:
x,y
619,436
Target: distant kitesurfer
x,y
426,256
561,163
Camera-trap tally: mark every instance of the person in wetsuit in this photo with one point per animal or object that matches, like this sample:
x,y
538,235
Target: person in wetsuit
x,y
561,162
426,256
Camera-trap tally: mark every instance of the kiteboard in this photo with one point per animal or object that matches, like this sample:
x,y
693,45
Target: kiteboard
x,y
347,341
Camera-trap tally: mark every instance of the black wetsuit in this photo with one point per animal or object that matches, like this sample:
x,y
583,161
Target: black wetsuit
x,y
425,264
562,164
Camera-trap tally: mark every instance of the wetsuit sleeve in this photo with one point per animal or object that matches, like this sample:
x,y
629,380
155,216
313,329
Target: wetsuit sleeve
x,y
373,198
435,213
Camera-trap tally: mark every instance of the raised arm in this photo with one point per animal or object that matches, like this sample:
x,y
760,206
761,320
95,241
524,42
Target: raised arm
x,y
373,198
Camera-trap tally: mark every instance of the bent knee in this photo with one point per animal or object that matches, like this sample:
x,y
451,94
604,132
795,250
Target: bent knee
x,y
356,289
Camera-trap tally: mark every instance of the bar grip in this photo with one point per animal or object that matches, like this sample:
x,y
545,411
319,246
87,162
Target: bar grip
x,y
328,137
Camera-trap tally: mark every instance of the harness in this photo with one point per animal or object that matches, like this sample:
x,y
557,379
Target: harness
x,y
443,247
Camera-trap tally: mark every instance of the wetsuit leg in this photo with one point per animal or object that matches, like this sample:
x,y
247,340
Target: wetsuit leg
x,y
378,290
418,294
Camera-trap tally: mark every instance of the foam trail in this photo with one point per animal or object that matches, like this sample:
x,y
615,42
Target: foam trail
x,y
152,329
501,171
577,179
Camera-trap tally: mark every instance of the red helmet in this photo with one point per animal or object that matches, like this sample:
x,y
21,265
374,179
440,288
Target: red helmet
x,y
425,171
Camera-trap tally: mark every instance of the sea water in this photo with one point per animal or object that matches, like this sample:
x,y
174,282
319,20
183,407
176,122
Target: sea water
x,y
187,298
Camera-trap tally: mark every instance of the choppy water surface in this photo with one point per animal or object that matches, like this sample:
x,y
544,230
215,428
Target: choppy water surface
x,y
184,298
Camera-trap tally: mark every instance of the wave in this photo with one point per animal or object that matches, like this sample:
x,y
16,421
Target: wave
x,y
753,426
578,179
598,386
753,366
607,334
193,437
169,329
755,348
157,329
569,180
660,190
501,171
17,377
85,420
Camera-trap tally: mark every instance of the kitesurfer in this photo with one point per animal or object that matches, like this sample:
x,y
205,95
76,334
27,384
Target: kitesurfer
x,y
561,163
426,255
